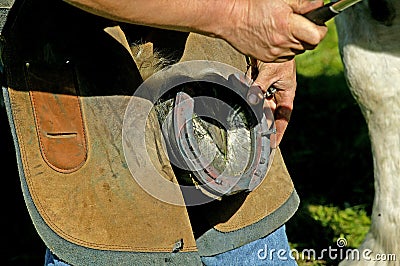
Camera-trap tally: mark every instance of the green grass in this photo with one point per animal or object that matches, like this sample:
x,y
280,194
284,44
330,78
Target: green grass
x,y
323,60
327,151
351,224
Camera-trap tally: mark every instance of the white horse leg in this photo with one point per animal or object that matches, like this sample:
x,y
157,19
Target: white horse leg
x,y
371,56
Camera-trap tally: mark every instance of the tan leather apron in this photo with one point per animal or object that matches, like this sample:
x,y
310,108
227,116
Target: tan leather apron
x,y
68,83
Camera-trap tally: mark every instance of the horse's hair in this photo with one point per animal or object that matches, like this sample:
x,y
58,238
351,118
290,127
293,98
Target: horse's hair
x,y
149,59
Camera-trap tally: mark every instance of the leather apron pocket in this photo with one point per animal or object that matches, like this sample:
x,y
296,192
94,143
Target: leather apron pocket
x,y
58,115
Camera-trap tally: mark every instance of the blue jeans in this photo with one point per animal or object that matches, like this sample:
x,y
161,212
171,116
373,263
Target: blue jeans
x,y
272,250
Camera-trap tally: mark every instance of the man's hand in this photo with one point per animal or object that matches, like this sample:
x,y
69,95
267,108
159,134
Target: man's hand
x,y
268,30
281,76
273,30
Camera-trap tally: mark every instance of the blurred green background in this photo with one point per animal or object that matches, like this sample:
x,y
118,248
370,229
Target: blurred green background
x,y
327,151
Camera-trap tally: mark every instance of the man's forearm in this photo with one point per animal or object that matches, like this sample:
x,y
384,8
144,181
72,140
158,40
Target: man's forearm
x,y
201,16
266,30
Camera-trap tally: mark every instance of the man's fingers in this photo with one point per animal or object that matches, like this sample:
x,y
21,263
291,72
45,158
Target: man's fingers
x,y
255,95
282,116
280,76
281,126
306,31
287,58
304,6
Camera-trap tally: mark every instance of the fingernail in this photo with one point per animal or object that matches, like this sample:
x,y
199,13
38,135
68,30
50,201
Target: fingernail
x,y
254,95
253,99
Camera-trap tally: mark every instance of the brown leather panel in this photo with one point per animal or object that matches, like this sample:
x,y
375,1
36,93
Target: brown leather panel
x,y
58,117
236,211
100,205
117,33
200,47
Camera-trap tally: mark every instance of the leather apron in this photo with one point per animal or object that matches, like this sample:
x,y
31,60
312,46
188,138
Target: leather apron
x,y
69,76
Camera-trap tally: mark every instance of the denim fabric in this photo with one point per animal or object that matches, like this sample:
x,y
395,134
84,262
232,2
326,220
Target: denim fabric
x,y
271,250
51,260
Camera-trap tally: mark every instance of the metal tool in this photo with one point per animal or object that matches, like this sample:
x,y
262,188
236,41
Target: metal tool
x,y
321,15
